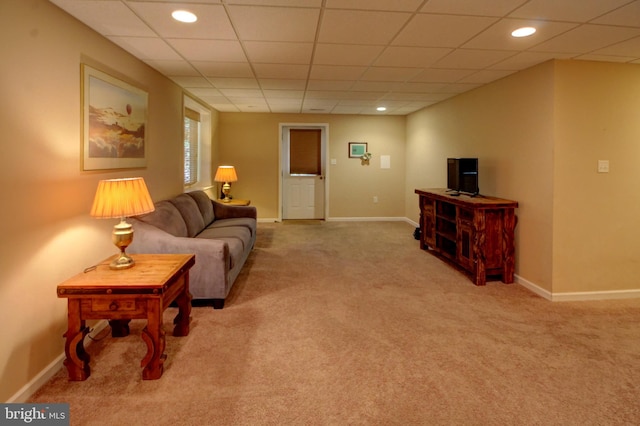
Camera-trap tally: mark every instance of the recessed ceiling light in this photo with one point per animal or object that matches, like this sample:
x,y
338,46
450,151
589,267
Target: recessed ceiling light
x,y
184,16
381,108
523,32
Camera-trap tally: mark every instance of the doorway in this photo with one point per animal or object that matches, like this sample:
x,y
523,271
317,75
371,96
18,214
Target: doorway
x,y
303,177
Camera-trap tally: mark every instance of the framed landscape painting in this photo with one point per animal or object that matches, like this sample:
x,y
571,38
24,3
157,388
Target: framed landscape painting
x,y
114,121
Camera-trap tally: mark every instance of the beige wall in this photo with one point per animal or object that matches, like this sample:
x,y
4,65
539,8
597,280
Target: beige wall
x,y
538,135
508,125
47,233
251,143
595,241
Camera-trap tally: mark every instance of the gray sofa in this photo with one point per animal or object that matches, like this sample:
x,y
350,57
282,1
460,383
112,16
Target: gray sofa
x,y
221,237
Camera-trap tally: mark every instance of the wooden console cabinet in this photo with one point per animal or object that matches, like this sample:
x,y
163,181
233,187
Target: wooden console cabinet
x,y
476,234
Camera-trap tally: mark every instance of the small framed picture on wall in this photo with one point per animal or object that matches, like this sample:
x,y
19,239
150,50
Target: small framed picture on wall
x,y
357,149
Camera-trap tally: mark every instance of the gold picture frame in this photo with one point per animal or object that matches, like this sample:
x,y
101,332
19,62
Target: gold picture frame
x,y
114,122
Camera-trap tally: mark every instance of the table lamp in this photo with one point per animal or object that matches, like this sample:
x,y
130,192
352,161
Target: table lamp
x,y
226,174
119,198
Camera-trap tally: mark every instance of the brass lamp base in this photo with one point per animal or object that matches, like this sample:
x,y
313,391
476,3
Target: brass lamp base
x,y
226,188
122,236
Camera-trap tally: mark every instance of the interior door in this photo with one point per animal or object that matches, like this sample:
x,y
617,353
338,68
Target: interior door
x,y
303,174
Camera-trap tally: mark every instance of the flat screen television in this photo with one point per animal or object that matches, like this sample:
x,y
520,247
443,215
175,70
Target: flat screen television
x,y
462,175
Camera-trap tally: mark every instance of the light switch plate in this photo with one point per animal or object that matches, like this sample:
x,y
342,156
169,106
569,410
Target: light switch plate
x,y
603,166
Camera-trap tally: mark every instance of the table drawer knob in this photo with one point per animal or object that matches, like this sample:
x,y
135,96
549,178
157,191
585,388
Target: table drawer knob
x,y
113,306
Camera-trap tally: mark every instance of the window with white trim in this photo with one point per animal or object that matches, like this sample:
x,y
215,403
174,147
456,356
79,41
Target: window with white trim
x,y
191,146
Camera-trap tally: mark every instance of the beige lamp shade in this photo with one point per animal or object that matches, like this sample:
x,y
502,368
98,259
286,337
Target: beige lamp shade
x,y
226,174
118,198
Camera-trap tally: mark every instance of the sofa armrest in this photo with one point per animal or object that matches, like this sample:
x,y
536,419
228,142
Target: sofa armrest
x,y
223,211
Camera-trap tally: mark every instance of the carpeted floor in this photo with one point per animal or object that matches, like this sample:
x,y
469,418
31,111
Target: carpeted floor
x,y
351,323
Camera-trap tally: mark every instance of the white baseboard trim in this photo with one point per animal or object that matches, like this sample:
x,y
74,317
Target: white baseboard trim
x,y
367,219
533,287
268,220
577,296
50,370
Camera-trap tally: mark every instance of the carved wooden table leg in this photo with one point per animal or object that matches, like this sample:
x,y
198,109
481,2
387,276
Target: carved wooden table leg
x,y
183,318
77,361
154,336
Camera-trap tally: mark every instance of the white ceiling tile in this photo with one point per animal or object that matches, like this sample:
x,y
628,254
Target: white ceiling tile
x,y
472,7
275,23
441,30
146,47
345,54
330,84
282,84
174,68
209,50
441,75
626,48
283,94
395,5
403,51
234,83
330,72
293,3
389,74
498,36
271,52
208,93
418,88
281,71
472,59
192,82
375,86
241,93
326,95
628,15
212,20
422,57
587,38
360,27
224,69
562,10
106,17
524,60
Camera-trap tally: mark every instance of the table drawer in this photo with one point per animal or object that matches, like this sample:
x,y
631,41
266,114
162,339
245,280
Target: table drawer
x,y
107,305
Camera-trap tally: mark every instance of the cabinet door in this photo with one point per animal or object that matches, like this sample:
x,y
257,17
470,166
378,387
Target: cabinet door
x,y
428,216
465,237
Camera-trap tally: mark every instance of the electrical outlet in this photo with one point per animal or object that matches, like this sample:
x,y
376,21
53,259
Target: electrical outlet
x,y
375,198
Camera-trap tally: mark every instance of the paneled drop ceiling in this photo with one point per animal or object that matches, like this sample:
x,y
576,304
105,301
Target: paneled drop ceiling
x,y
351,56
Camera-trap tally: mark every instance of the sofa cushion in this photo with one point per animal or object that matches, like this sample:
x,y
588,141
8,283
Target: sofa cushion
x,y
204,204
246,222
190,213
238,238
166,217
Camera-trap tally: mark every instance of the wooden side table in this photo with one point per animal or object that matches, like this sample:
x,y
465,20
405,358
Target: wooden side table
x,y
141,292
235,202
